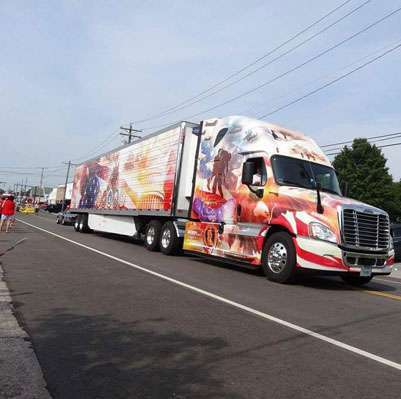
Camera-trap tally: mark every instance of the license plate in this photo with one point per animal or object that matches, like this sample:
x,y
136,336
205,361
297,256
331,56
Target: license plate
x,y
366,271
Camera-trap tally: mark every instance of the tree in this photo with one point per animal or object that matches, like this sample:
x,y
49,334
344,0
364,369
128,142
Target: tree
x,y
397,195
363,167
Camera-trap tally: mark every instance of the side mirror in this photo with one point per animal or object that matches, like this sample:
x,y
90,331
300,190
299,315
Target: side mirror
x,y
248,170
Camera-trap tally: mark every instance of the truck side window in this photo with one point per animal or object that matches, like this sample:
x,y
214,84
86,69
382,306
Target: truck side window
x,y
259,174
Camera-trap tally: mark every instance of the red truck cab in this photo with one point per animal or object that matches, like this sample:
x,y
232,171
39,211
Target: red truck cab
x,y
269,197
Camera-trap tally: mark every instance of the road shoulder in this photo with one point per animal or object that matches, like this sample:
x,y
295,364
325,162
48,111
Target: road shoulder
x,y
20,374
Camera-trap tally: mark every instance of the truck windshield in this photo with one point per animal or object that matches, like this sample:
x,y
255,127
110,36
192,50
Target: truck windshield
x,y
300,173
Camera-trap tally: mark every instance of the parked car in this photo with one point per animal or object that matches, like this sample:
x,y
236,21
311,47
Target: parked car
x,y
396,233
54,208
43,206
66,217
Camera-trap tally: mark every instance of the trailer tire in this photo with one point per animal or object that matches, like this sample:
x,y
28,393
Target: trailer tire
x,y
82,222
152,235
84,226
76,223
355,279
279,258
170,243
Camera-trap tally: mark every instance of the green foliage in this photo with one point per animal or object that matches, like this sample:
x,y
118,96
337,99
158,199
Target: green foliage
x,y
363,167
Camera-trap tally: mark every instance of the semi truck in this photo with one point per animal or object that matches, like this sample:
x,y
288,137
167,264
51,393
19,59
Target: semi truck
x,y
235,189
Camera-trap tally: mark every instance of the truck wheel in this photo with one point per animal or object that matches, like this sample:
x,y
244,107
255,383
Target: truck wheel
x,y
83,224
170,243
76,223
279,258
152,235
356,279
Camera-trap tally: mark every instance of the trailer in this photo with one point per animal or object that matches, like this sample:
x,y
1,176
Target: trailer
x,y
136,188
237,189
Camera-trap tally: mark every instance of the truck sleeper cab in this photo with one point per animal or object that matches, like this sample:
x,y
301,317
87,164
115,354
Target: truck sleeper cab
x,y
246,191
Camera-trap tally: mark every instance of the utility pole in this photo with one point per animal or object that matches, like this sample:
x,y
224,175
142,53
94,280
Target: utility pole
x,y
65,185
41,189
130,130
69,164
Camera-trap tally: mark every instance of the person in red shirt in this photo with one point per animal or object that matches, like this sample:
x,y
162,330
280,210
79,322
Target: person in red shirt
x,y
7,213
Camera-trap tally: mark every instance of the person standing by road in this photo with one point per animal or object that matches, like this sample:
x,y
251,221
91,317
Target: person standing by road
x,y
7,213
1,204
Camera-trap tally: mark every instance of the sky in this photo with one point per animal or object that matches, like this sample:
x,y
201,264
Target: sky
x,y
72,72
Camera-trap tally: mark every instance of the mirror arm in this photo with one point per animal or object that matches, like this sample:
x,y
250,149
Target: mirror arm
x,y
257,191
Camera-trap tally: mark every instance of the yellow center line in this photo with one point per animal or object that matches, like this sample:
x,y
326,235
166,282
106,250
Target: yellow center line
x,y
382,294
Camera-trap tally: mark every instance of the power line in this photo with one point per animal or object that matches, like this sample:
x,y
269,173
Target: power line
x,y
31,167
340,147
387,137
236,73
299,66
189,104
378,146
331,82
102,144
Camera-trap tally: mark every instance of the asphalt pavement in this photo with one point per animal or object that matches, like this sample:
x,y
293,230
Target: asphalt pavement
x,y
108,319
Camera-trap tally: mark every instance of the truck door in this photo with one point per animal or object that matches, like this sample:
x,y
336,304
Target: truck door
x,y
225,211
242,229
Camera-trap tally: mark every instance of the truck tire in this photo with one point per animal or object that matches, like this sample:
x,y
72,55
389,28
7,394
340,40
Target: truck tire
x,y
76,223
81,224
152,235
84,226
279,258
170,243
355,279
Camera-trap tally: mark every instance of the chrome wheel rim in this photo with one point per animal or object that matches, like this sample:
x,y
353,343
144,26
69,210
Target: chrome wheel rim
x,y
150,236
277,257
166,238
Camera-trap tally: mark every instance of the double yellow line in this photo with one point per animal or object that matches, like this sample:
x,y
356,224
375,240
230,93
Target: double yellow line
x,y
380,293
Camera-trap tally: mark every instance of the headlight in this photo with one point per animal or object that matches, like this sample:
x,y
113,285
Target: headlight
x,y
321,232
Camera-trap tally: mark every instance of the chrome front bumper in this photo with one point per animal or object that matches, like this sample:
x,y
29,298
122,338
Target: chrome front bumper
x,y
377,261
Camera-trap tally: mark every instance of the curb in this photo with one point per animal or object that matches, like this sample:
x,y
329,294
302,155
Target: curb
x,y
20,373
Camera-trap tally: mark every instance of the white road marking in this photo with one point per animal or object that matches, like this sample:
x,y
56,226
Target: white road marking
x,y
237,305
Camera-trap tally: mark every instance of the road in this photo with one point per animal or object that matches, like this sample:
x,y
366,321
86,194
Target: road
x,y
108,319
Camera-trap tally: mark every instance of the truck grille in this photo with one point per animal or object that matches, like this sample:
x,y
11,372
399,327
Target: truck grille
x,y
365,230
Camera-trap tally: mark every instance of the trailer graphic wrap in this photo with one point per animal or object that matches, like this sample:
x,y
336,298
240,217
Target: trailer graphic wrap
x,y
230,221
137,177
